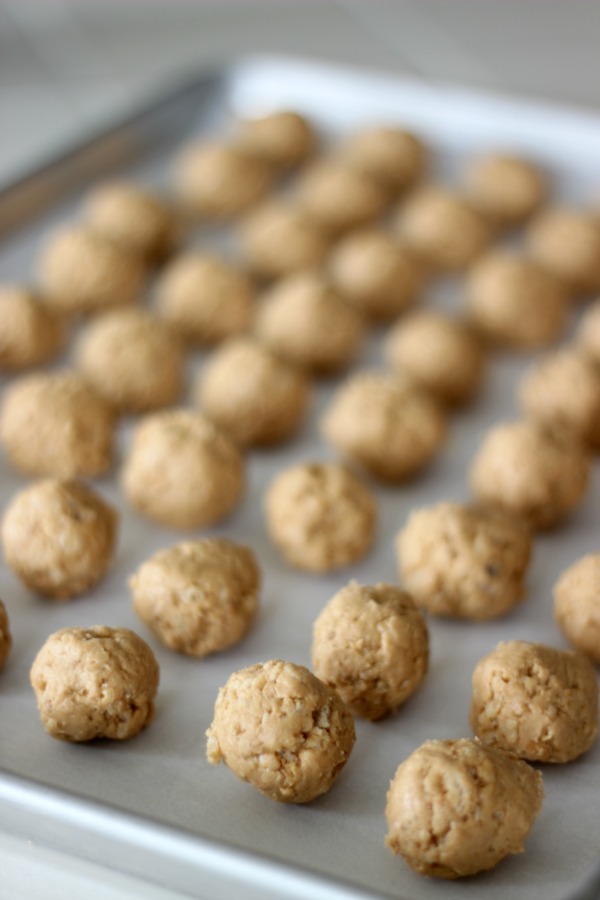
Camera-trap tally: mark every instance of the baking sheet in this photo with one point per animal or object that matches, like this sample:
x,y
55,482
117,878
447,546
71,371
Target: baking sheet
x,y
162,775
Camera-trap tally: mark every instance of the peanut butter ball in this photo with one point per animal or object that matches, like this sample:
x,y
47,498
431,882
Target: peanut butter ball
x,y
97,682
59,537
371,645
392,156
577,605
259,399
321,516
30,335
567,243
455,808
506,189
5,636
56,424
278,239
535,702
182,471
282,139
338,197
282,730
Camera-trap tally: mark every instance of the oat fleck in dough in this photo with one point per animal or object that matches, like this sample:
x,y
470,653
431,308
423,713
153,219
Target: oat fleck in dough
x,y
577,605
282,139
95,682
56,424
567,243
386,424
5,636
282,730
133,360
59,537
320,516
277,239
182,471
338,197
31,334
535,702
506,189
455,808
440,354
198,597
259,399
531,472
371,645
392,156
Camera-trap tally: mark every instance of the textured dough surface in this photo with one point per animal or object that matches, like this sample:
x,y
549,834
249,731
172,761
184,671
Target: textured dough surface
x,y
282,139
277,239
577,605
506,189
132,217
30,334
393,157
567,243
338,197
5,636
588,333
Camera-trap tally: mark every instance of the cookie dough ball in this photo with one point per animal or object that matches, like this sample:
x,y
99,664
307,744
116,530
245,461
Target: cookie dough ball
x,y
133,360
5,636
278,239
84,272
56,424
465,562
506,189
516,303
320,516
258,398
282,730
306,322
204,299
386,424
30,334
95,682
443,229
535,702
217,181
375,274
562,390
393,157
577,605
567,243
132,217
59,537
281,139
198,597
455,808
371,645
588,333
338,197
182,471
440,354
531,472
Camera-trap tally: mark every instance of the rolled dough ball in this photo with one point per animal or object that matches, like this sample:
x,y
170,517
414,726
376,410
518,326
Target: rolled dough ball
x,y
304,320
282,730
205,299
338,197
133,218
5,636
567,243
218,181
84,272
255,396
531,472
278,239
56,424
59,537
455,808
97,682
514,302
133,360
375,274
588,333
461,561
371,645
320,516
182,471
442,228
440,354
30,335
535,702
506,189
282,139
198,597
577,605
392,156
386,424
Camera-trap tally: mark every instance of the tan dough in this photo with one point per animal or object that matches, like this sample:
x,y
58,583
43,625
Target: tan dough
x,y
386,424
577,605
198,597
282,139
59,537
588,333
460,561
455,808
338,197
507,189
567,243
56,424
182,471
95,682
392,156
282,730
278,239
535,702
133,218
5,636
371,645
30,335
320,516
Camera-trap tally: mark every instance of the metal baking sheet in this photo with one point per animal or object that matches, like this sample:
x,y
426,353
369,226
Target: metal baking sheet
x,y
153,806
